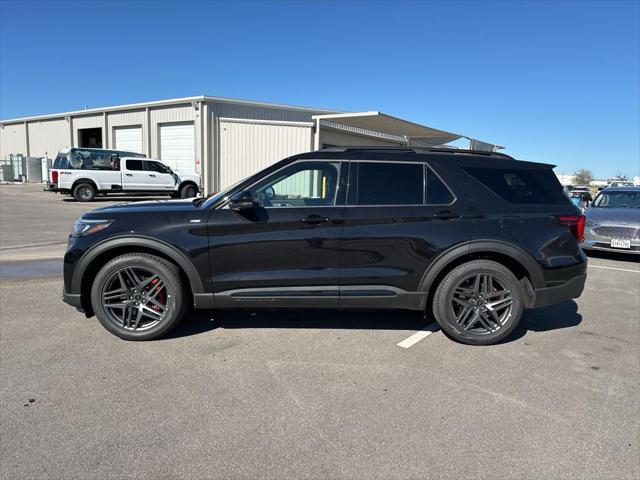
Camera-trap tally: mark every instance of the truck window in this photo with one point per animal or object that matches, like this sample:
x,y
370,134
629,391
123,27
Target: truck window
x,y
135,165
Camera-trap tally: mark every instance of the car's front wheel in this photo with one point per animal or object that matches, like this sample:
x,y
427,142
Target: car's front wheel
x,y
479,302
138,296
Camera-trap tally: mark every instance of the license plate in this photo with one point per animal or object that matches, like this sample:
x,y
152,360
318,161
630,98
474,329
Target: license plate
x,y
619,243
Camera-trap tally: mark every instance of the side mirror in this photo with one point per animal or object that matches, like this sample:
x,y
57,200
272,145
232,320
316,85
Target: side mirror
x,y
242,201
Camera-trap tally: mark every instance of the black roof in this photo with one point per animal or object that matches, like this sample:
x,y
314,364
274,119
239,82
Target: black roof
x,y
444,155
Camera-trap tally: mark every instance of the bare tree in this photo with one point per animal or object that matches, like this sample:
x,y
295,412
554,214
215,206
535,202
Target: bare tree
x,y
621,176
582,176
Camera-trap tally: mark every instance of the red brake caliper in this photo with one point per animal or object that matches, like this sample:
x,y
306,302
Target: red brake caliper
x,y
161,294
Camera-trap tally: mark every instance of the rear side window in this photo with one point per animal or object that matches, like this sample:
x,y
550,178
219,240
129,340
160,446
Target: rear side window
x,y
389,183
521,186
134,165
437,192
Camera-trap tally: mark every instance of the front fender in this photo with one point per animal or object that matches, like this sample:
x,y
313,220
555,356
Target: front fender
x,y
136,241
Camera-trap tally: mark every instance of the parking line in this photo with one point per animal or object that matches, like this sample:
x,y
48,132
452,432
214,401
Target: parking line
x,y
416,337
614,268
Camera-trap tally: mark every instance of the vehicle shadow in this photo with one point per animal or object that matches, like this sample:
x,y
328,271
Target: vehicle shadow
x,y
622,257
554,317
115,198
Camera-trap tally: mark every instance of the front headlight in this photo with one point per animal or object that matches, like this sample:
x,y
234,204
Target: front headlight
x,y
84,227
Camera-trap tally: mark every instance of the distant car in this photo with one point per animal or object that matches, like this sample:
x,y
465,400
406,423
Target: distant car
x,y
85,172
621,183
581,188
613,221
580,199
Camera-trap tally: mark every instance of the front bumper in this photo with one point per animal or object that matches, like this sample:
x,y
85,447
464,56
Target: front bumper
x,y
593,241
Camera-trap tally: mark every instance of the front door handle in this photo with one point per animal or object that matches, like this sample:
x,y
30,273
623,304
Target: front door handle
x,y
315,219
152,175
446,215
129,174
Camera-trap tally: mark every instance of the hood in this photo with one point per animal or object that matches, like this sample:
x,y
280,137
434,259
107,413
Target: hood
x,y
614,216
162,206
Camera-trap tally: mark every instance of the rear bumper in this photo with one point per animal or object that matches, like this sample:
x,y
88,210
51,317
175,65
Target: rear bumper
x,y
72,299
53,187
560,293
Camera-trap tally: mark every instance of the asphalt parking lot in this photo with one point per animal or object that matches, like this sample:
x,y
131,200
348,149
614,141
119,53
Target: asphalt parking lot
x,y
307,394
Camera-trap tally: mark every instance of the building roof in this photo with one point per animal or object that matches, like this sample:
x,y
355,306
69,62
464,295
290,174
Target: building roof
x,y
173,101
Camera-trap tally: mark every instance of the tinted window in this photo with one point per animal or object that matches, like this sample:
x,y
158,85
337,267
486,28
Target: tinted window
x,y
300,185
521,186
437,191
134,165
156,167
390,184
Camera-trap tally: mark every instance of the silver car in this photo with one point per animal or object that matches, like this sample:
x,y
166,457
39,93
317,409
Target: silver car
x,y
613,221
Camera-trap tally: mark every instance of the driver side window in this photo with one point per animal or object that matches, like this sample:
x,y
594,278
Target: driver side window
x,y
303,184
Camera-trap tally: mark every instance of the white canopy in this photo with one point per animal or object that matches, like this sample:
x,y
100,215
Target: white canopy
x,y
413,133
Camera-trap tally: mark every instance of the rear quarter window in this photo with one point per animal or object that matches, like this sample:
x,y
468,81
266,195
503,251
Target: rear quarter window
x,y
521,186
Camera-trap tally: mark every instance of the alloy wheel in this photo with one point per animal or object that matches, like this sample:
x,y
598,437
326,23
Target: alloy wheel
x,y
481,304
135,298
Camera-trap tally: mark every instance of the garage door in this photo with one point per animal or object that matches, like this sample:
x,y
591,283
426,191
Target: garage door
x,y
178,146
248,146
128,139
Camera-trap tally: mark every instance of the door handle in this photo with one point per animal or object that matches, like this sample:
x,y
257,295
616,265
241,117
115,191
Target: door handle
x,y
152,175
129,174
446,215
315,219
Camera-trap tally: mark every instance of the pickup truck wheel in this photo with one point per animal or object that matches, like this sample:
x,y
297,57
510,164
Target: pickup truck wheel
x,y
138,296
188,191
84,192
478,303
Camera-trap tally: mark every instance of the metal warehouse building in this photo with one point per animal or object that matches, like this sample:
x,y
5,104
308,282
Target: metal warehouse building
x,y
223,139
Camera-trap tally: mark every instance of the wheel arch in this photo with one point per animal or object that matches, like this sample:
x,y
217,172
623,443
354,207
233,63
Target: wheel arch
x,y
520,262
95,258
184,183
84,180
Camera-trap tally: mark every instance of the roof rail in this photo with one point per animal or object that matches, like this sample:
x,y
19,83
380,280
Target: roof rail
x,y
400,149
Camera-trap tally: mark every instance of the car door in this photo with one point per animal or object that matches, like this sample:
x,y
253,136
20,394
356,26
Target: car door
x,y
286,250
159,176
134,178
399,217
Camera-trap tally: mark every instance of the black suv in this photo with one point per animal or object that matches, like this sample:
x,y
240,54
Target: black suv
x,y
472,237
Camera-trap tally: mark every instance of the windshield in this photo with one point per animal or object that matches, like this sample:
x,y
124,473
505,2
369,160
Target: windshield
x,y
617,200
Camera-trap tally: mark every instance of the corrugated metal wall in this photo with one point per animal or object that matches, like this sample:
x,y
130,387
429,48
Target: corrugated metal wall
x,y
13,140
247,147
48,137
347,139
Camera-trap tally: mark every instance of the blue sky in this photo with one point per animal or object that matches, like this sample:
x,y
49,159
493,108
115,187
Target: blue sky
x,y
556,82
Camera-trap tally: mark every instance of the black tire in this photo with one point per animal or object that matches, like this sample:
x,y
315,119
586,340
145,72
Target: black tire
x,y
188,191
481,317
175,297
84,192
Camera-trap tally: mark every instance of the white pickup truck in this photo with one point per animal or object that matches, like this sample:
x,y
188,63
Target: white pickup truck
x,y
87,172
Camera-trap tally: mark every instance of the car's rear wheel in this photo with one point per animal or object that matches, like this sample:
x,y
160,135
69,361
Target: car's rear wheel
x,y
188,191
84,192
479,302
138,296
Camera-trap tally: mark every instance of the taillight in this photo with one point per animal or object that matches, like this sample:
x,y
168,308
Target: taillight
x,y
575,224
54,176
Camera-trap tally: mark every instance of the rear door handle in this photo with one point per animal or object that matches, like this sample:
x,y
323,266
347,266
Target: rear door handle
x,y
315,219
129,174
152,175
446,215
